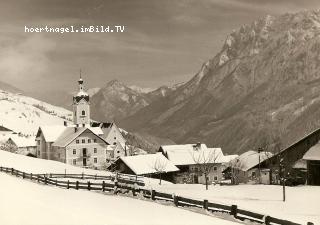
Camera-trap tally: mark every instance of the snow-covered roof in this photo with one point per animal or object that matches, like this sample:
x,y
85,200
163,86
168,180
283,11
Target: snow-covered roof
x,y
249,160
313,153
21,142
96,130
51,133
190,154
228,158
71,133
148,164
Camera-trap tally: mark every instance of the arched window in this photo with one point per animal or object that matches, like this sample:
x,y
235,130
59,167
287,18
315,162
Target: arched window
x,y
83,112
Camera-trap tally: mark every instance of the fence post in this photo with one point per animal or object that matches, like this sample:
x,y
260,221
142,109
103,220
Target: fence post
x,y
12,171
205,204
267,220
38,178
56,182
89,186
135,189
176,200
153,195
77,185
68,184
234,209
30,176
82,176
0,168
45,180
95,176
23,175
115,189
103,188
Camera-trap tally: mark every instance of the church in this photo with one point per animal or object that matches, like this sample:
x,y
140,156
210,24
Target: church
x,y
84,143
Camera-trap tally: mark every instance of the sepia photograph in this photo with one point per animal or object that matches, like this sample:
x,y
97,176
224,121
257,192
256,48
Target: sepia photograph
x,y
159,112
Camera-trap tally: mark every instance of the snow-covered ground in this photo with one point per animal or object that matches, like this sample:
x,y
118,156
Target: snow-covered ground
x,y
302,204
35,165
25,202
25,114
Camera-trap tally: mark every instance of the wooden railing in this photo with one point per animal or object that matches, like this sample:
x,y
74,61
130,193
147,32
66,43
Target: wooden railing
x,y
135,185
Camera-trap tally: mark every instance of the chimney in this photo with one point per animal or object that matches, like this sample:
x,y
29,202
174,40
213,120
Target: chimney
x,y
75,129
65,123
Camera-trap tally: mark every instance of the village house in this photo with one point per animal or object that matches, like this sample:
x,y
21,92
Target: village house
x,y
245,168
195,162
149,165
23,145
84,143
4,132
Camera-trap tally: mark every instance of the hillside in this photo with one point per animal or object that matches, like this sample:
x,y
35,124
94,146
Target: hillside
x,y
7,87
266,73
24,114
116,100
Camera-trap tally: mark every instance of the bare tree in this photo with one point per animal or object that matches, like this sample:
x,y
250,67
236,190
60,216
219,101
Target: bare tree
x,y
205,160
9,147
236,167
160,165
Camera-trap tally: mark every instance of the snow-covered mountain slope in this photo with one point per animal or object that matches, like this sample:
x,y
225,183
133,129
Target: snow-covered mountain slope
x,y
24,114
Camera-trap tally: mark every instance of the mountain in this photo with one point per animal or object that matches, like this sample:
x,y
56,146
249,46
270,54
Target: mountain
x,y
7,87
266,73
116,100
24,114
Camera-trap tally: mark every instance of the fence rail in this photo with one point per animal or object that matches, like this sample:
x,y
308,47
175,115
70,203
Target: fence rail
x,y
135,185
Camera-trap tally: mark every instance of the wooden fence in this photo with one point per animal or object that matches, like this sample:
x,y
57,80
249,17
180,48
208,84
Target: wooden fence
x,y
135,185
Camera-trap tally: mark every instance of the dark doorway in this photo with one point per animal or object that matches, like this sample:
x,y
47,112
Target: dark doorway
x,y
84,155
314,173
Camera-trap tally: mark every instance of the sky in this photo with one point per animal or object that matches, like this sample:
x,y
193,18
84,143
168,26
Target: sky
x,y
164,41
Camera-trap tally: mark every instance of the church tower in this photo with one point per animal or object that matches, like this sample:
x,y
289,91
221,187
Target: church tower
x,y
81,106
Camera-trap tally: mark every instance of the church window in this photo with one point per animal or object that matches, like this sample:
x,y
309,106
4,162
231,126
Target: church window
x,y
74,151
95,150
95,140
83,112
83,141
74,161
77,141
95,160
89,140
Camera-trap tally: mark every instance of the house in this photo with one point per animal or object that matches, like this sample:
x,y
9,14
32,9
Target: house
x,y
150,165
195,162
23,145
111,133
312,157
84,143
246,168
5,133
